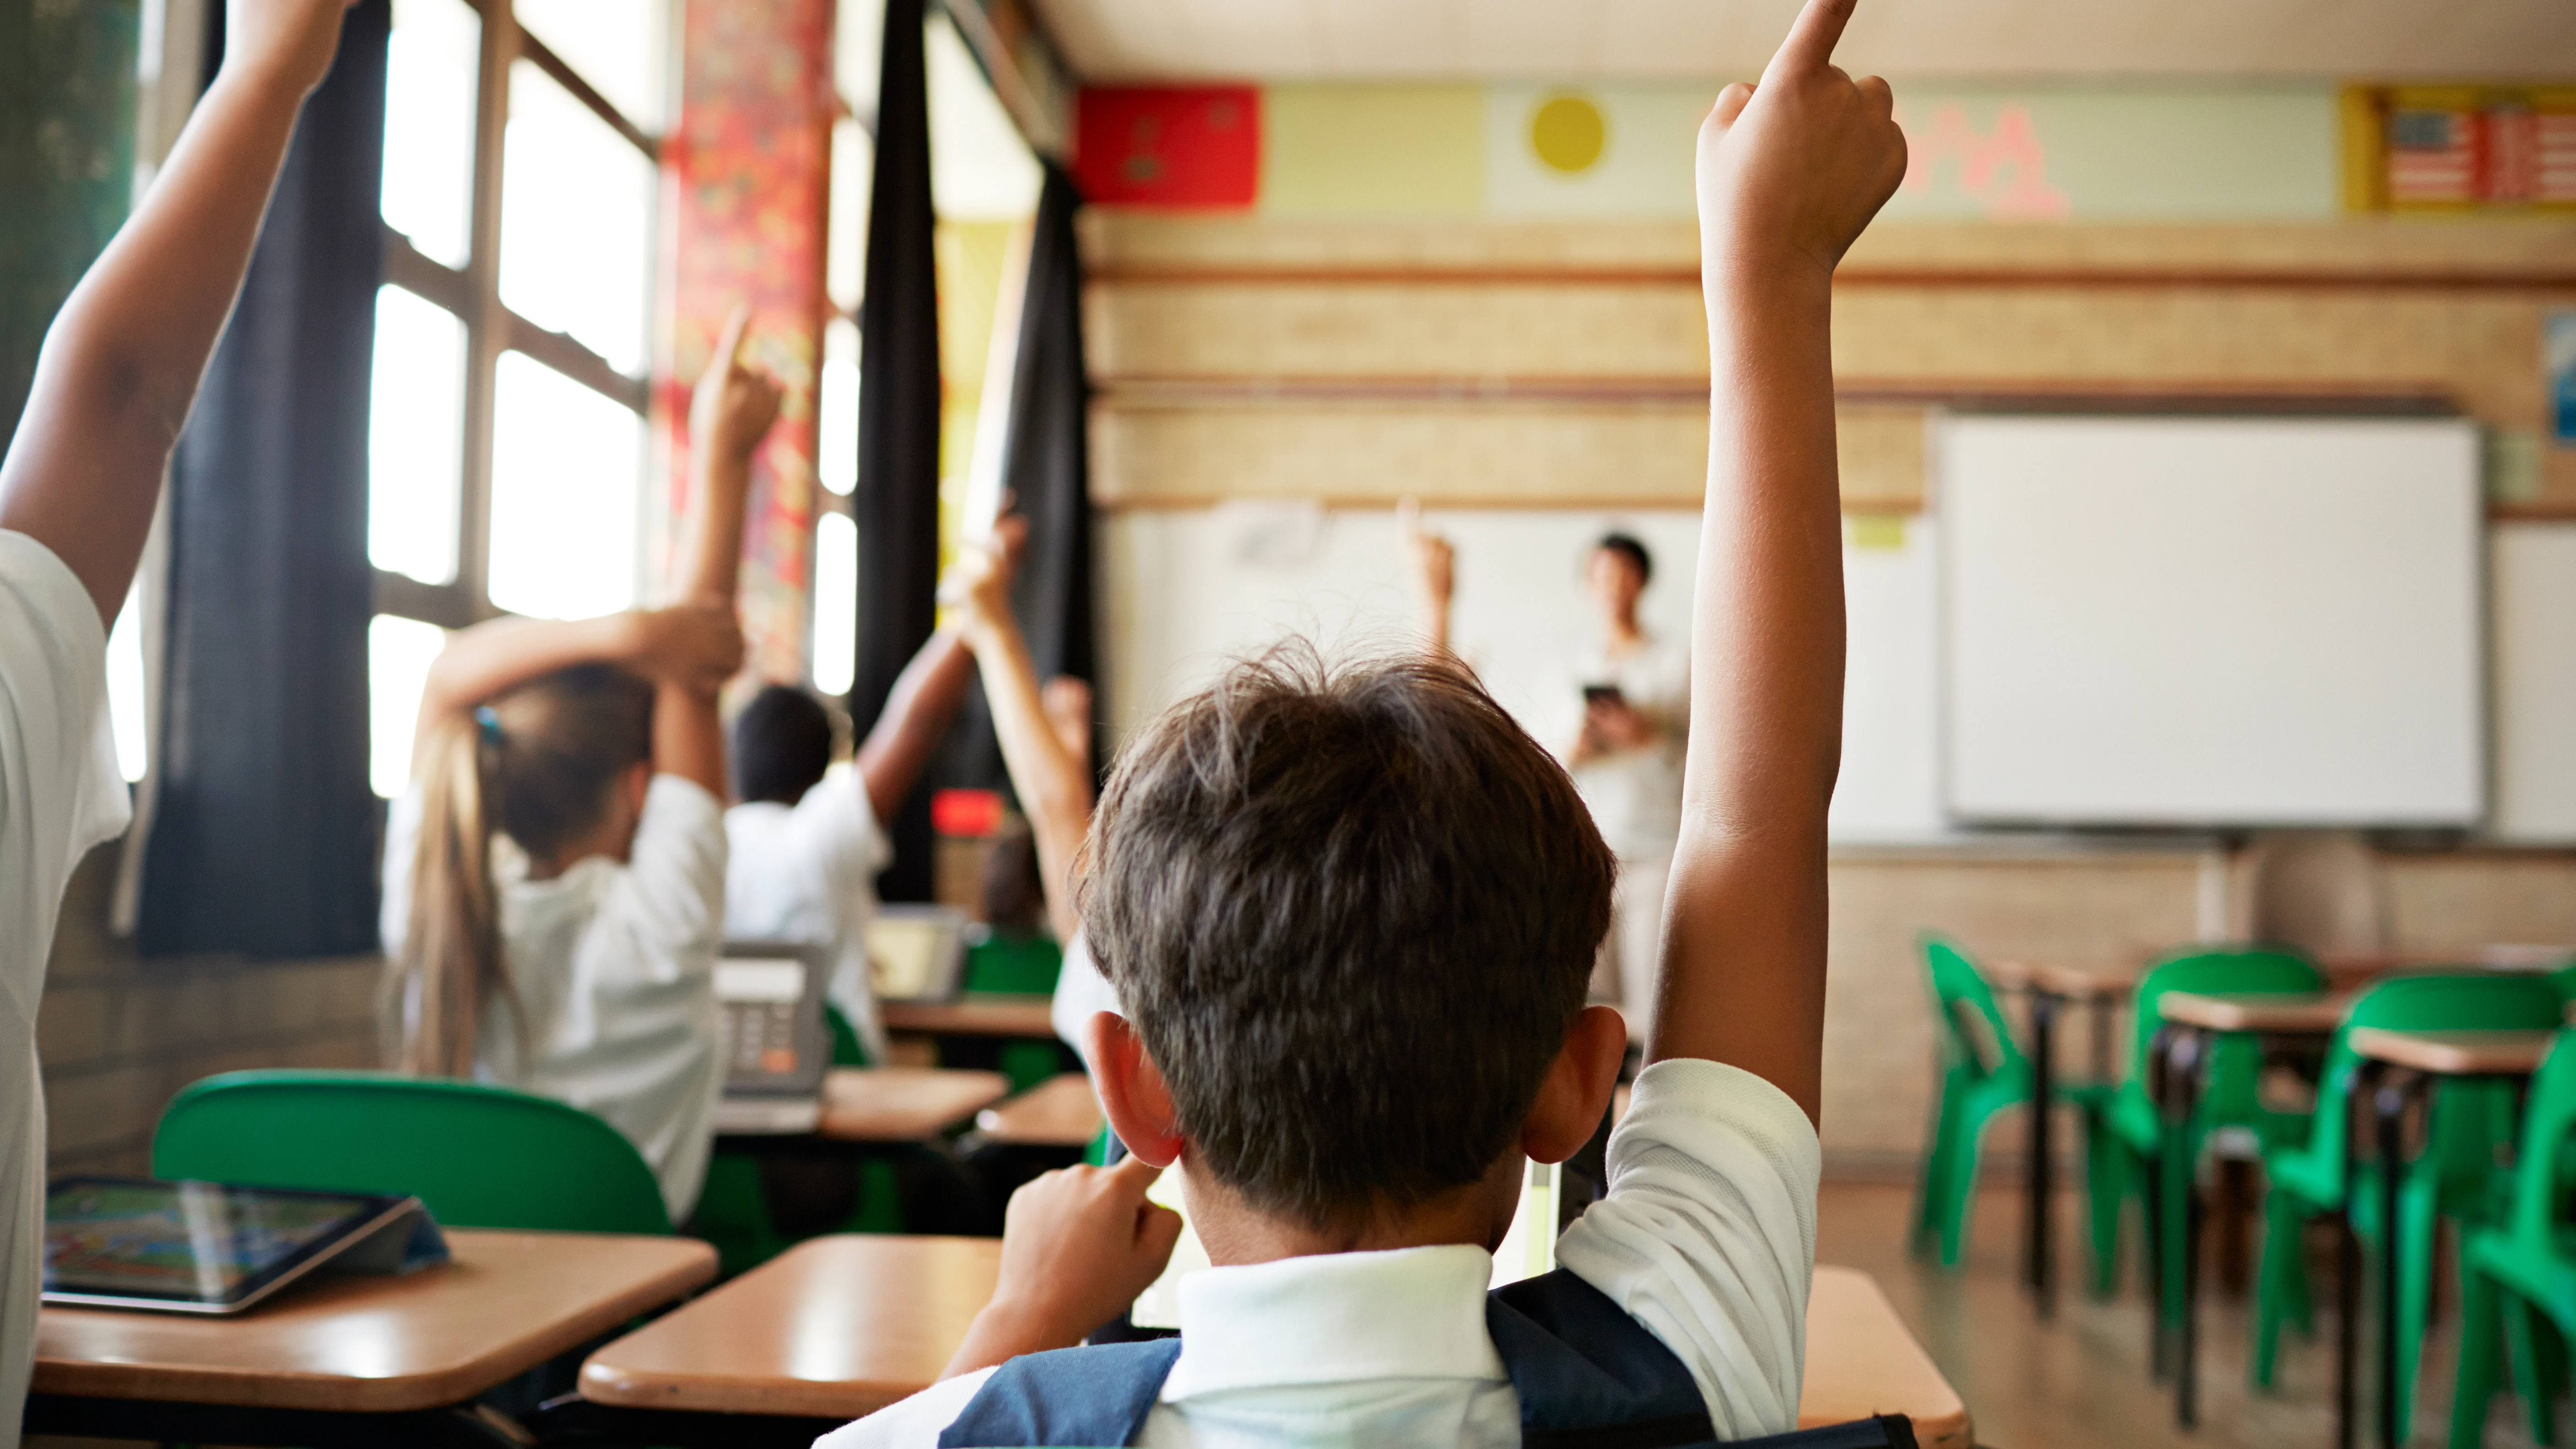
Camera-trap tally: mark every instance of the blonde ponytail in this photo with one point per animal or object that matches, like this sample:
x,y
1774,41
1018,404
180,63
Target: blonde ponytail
x,y
451,957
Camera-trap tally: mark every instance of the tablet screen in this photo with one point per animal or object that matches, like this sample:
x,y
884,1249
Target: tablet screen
x,y
184,1240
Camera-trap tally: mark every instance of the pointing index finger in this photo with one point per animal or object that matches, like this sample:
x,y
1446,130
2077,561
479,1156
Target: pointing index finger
x,y
729,340
1812,36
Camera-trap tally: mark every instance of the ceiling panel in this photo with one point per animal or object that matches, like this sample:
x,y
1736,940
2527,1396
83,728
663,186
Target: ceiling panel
x,y
1138,40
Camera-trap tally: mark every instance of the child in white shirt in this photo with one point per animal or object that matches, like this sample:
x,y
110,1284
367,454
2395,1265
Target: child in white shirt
x,y
554,877
1351,915
111,390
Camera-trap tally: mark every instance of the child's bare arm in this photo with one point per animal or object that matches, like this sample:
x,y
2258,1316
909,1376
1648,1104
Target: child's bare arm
x,y
693,646
1052,780
917,713
1790,171
728,417
1434,565
122,361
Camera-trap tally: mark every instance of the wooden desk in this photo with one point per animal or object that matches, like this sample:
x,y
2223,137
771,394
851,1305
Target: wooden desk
x,y
2255,1011
839,1327
986,1014
903,1104
2455,1053
1861,1360
1058,1112
2048,990
355,1345
2076,983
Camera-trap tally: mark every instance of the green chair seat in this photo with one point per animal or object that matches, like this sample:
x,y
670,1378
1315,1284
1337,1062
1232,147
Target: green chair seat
x,y
480,1156
2518,1274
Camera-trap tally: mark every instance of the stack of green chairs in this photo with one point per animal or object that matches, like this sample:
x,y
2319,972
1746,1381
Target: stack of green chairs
x,y
2518,1277
2455,1175
1983,1072
2129,1148
479,1156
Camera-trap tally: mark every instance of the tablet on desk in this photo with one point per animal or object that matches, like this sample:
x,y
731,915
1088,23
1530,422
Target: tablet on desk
x,y
201,1247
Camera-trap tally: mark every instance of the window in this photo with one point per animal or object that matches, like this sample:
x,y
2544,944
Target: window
x,y
507,431
833,596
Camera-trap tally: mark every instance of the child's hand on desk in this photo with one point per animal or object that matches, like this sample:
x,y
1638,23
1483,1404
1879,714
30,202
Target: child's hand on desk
x,y
1078,1245
285,43
1791,169
696,645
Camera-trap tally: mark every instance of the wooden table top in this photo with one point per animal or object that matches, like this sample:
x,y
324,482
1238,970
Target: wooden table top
x,y
1862,1360
1058,1112
2083,983
903,1104
982,1014
835,1327
378,1344
839,1327
2456,1053
2266,1011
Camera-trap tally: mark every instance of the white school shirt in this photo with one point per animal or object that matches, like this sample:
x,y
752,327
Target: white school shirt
x,y
1081,993
1636,795
613,966
1707,1237
60,794
808,872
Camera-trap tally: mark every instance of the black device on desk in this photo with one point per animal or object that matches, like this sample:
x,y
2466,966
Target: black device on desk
x,y
210,1248
772,1037
1603,694
917,952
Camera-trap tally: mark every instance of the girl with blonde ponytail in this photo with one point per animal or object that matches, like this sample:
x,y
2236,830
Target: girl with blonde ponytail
x,y
554,877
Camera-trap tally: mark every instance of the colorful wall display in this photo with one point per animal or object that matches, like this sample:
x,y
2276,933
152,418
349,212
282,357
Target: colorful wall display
x,y
2461,148
746,174
1186,146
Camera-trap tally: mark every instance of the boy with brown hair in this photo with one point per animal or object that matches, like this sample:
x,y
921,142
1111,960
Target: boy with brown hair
x,y
1351,914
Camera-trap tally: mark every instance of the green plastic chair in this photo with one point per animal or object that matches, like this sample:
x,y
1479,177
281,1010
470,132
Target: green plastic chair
x,y
2468,1124
2520,1273
847,1051
1014,964
1983,1072
2126,1138
480,1156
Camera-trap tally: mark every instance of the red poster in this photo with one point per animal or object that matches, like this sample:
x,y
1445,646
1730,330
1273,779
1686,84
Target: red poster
x,y
1193,146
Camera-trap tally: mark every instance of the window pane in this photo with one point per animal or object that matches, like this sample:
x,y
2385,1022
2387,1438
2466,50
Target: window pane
x,y
399,652
576,221
845,256
858,49
622,47
565,468
980,169
836,603
837,414
125,711
415,426
430,67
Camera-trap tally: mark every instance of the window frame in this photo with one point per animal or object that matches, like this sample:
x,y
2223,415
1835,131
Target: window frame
x,y
472,294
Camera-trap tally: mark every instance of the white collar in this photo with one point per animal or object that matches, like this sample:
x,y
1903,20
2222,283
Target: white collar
x,y
1414,1313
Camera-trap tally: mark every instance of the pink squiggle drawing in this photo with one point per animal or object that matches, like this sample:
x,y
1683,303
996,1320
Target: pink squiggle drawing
x,y
2006,171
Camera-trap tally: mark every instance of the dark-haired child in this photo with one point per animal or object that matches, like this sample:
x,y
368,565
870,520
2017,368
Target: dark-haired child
x,y
111,390
555,875
808,840
1351,915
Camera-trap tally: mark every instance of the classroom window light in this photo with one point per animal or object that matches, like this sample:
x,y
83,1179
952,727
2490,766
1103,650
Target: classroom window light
x,y
431,62
399,653
565,467
576,221
845,255
415,439
836,459
623,50
836,603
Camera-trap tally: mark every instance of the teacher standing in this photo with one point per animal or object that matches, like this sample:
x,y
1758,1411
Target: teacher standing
x,y
1633,689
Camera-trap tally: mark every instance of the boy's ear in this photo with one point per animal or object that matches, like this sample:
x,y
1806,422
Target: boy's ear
x,y
1577,1088
1132,1093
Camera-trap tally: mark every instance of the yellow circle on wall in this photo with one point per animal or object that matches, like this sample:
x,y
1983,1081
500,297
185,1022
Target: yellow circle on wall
x,y
1568,133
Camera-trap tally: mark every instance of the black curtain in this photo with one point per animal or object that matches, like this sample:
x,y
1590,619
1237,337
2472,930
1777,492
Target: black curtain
x,y
265,840
897,503
1046,458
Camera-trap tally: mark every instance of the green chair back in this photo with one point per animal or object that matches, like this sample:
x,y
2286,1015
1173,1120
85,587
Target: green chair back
x,y
2539,1179
1961,995
1014,964
2234,969
480,1156
847,1049
2460,1001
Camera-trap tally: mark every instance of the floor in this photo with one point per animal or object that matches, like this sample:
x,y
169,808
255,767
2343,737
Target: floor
x,y
2082,1378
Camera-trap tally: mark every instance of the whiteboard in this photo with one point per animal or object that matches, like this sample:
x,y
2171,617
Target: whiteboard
x,y
2193,621
1189,589
2533,574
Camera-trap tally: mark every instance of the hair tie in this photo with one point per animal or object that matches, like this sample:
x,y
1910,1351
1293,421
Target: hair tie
x,y
490,722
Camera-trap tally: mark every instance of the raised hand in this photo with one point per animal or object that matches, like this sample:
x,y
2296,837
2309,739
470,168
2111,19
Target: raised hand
x,y
1791,169
1434,565
735,403
696,645
979,582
